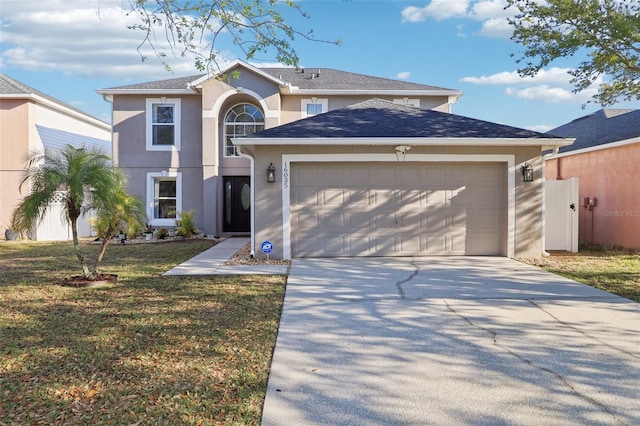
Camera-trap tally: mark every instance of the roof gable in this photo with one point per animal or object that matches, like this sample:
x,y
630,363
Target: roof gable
x,y
599,128
377,118
11,88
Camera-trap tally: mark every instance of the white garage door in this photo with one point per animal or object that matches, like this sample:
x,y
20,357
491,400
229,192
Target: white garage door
x,y
398,209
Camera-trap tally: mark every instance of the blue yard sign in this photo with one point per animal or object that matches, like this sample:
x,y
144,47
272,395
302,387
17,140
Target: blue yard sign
x,y
267,247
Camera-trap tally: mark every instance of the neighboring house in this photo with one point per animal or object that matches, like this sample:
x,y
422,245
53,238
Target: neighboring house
x,y
605,158
31,120
186,145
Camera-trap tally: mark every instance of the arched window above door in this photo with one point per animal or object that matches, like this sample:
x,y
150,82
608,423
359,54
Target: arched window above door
x,y
241,120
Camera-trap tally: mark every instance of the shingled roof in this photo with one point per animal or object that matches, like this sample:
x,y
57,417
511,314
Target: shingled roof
x,y
331,79
10,87
600,128
307,79
378,118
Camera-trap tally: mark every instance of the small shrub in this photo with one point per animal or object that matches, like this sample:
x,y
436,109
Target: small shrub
x,y
186,226
162,233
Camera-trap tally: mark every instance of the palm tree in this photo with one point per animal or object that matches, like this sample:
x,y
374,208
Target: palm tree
x,y
120,209
83,176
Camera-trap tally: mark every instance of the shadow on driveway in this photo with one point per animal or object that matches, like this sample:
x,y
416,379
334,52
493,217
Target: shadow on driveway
x,y
450,340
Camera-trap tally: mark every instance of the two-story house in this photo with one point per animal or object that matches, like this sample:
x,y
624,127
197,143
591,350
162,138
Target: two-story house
x,y
174,138
307,158
31,120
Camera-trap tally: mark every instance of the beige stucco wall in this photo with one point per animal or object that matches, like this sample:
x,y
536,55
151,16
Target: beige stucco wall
x,y
291,104
528,196
611,176
16,136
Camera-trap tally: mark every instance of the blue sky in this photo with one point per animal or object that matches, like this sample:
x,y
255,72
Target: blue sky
x,y
71,48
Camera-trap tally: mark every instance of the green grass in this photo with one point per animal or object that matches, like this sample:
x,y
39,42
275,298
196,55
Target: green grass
x,y
611,269
149,350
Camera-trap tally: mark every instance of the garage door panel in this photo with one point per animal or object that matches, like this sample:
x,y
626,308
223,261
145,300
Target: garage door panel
x,y
398,209
306,220
333,220
303,196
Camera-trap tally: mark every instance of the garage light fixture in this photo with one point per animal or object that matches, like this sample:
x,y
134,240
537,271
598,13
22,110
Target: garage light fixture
x,y
527,172
271,173
401,151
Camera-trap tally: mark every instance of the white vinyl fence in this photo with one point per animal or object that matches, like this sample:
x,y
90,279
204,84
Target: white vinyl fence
x,y
54,226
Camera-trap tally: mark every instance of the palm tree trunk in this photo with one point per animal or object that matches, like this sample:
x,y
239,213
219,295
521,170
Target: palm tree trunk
x,y
103,249
76,247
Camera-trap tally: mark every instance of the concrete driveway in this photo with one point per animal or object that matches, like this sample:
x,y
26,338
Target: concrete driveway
x,y
451,340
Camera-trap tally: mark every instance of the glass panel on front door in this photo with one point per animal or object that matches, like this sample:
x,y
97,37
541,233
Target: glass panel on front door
x,y
236,204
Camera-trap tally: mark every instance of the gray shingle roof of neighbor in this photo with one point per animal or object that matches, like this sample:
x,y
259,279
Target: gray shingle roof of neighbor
x,y
599,128
378,118
12,87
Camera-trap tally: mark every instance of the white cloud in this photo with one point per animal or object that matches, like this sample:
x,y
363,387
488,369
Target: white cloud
x,y
403,75
552,75
542,128
491,13
437,9
496,28
551,86
80,37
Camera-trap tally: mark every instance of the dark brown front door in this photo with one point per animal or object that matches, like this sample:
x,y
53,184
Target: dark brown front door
x,y
237,204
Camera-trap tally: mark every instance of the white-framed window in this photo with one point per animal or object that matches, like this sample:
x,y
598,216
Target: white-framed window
x,y
164,197
241,120
408,102
313,106
163,124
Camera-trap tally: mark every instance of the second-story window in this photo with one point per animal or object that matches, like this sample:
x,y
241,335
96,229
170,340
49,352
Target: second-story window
x,y
163,124
241,120
313,106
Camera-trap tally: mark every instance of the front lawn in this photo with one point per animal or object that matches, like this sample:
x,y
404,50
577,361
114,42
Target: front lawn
x,y
149,350
614,270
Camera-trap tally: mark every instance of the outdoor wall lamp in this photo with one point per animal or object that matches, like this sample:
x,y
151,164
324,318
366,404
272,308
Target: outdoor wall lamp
x,y
271,173
527,172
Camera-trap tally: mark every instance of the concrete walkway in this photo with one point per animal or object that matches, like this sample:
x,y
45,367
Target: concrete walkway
x,y
450,341
211,262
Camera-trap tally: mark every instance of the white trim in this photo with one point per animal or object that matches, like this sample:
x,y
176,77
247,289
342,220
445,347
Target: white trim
x,y
252,213
151,178
596,148
268,113
176,125
415,141
287,159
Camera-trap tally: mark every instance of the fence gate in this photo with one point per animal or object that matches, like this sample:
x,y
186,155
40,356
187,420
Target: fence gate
x,y
561,214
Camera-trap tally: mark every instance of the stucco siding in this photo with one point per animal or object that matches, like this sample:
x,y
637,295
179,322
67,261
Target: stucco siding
x,y
291,104
15,136
611,176
528,208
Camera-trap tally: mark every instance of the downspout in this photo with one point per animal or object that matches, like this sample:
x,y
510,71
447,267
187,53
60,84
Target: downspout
x,y
253,196
544,204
